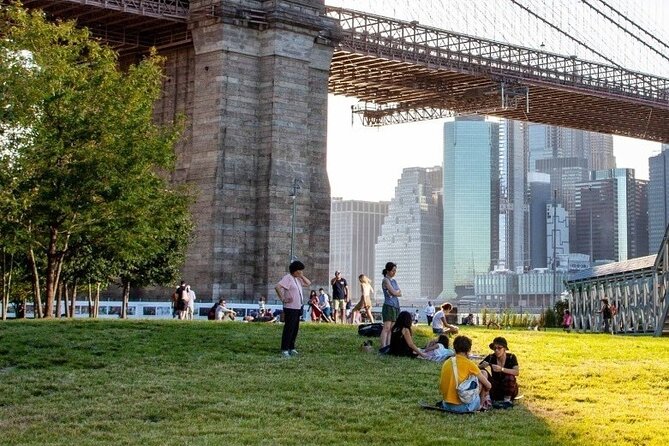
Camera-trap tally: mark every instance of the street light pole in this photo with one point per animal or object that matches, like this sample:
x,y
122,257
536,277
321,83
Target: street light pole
x,y
293,195
592,260
554,242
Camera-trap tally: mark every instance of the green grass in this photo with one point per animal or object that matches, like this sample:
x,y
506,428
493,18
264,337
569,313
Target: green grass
x,y
204,383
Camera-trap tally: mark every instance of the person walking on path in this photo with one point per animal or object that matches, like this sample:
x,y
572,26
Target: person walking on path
x,y
429,312
190,311
289,292
391,302
365,303
340,295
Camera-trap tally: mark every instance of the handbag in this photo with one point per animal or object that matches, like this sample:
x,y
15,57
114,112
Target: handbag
x,y
467,389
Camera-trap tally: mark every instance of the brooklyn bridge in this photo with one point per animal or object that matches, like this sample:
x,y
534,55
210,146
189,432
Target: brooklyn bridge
x,y
253,77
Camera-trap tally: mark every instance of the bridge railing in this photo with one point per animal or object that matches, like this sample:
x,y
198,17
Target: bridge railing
x,y
410,41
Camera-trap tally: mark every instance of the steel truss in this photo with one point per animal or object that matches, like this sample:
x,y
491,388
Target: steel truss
x,y
164,9
383,60
638,288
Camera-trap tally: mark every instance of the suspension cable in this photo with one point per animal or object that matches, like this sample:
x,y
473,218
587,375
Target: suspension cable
x,y
638,26
583,44
625,30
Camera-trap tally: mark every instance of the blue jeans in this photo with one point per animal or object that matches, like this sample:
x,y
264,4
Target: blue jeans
x,y
472,406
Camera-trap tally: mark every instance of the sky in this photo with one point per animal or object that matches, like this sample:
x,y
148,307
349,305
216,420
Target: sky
x,y
365,163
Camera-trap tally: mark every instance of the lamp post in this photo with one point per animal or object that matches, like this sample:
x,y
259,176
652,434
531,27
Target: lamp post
x,y
554,242
293,195
591,201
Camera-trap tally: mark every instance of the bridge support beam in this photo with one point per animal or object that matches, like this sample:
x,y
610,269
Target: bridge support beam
x,y
254,89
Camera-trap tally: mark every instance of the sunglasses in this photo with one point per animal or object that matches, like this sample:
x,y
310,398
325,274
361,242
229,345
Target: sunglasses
x,y
498,347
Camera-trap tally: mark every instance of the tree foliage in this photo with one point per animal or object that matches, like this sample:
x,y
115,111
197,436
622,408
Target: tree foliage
x,y
82,165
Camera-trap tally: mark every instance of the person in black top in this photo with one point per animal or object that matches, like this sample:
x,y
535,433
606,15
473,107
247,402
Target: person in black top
x,y
504,369
401,341
607,314
340,296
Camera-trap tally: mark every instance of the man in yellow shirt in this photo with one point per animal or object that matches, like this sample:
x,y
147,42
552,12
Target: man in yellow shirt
x,y
447,384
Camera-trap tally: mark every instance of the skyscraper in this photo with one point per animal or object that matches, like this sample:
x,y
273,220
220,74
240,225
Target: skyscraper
x,y
411,235
568,155
513,218
354,228
539,196
658,198
611,216
471,202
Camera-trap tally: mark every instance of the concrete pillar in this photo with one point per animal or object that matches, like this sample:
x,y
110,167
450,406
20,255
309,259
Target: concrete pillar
x,y
254,90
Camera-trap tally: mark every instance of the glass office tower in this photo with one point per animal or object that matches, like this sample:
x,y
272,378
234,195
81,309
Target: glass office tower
x,y
658,198
471,202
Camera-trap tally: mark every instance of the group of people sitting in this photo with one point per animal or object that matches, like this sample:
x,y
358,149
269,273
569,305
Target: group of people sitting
x,y
494,376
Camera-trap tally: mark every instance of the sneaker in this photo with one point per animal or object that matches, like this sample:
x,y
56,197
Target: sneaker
x,y
285,354
293,352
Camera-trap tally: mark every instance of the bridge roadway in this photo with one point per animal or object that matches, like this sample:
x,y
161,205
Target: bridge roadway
x,y
405,71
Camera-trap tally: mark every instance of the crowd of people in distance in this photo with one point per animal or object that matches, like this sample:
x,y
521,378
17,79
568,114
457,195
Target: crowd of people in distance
x,y
465,386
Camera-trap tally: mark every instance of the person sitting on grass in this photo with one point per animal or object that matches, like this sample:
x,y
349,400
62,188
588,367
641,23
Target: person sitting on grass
x,y
401,340
504,369
567,321
465,367
437,349
440,324
223,313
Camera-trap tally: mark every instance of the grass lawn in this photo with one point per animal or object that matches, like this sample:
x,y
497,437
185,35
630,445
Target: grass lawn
x,y
204,383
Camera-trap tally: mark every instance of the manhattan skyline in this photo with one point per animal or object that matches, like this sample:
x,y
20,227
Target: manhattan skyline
x,y
365,163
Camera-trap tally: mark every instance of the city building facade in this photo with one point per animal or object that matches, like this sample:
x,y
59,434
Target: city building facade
x,y
658,198
471,202
411,236
354,228
612,216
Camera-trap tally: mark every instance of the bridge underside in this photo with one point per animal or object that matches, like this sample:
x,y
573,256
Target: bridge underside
x,y
405,87
404,71
128,26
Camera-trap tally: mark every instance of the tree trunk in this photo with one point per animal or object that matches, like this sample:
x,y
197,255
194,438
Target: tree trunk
x,y
73,301
3,290
54,264
36,286
97,299
91,308
66,300
126,298
59,298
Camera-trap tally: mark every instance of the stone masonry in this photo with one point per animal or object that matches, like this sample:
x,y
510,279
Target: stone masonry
x,y
254,91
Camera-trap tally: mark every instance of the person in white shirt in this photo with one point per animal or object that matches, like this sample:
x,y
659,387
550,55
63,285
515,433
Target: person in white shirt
x,y
190,310
223,312
440,324
429,312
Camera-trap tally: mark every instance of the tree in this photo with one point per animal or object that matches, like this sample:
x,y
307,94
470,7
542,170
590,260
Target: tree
x,y
82,155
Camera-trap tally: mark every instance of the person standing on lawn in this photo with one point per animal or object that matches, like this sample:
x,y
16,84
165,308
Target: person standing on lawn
x,y
289,291
340,296
391,302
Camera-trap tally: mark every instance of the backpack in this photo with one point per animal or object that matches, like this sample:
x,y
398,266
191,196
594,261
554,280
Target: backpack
x,y
370,330
211,314
467,389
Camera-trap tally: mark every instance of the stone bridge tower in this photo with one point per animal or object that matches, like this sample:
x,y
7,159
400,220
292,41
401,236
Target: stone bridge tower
x,y
254,89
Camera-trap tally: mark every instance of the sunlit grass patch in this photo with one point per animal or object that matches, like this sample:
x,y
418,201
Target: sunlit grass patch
x,y
176,382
